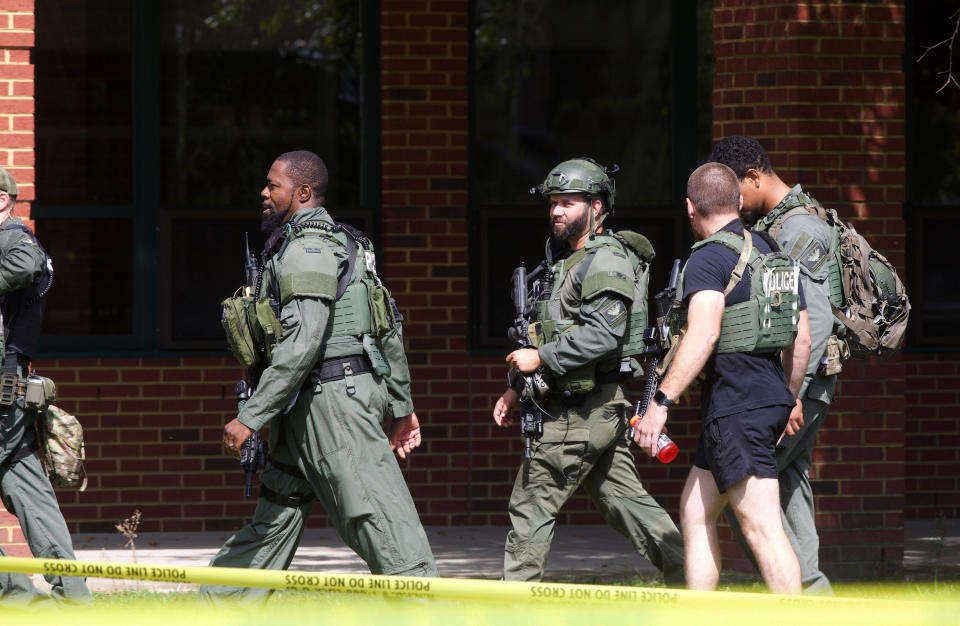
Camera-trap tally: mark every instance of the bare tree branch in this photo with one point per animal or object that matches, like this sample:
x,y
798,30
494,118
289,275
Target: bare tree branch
x,y
949,41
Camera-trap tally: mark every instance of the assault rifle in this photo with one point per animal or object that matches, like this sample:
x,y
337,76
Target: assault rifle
x,y
657,343
534,385
253,452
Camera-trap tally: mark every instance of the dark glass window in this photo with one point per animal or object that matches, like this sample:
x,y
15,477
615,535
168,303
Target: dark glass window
x,y
93,275
157,124
241,83
84,129
556,80
932,206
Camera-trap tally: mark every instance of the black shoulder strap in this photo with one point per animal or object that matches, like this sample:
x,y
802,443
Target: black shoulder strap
x,y
347,277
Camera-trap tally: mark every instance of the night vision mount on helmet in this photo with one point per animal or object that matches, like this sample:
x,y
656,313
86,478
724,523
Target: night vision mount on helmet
x,y
580,175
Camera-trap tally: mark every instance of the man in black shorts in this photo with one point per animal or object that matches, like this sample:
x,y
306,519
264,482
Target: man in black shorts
x,y
746,401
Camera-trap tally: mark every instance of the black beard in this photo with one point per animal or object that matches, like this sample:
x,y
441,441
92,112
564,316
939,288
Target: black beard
x,y
270,221
575,227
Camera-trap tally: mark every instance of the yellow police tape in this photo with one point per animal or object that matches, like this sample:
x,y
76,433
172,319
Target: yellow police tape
x,y
491,601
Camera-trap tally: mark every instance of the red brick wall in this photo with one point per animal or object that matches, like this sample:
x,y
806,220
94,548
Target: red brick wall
x,y
820,84
932,442
16,152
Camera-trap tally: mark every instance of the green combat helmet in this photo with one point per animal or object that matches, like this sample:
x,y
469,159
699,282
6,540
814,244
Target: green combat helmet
x,y
581,175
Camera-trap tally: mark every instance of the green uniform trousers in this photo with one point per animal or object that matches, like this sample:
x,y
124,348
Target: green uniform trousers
x,y
334,437
587,445
27,494
794,458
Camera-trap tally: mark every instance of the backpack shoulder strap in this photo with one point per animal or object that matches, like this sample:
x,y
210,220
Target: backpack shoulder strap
x,y
741,245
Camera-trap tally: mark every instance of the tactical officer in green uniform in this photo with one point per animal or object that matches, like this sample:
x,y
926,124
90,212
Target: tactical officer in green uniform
x,y
333,373
26,273
581,329
772,206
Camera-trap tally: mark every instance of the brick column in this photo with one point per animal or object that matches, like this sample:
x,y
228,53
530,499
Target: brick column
x,y
16,154
820,85
424,58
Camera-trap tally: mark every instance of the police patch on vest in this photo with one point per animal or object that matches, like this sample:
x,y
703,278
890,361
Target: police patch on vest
x,y
782,279
813,256
613,311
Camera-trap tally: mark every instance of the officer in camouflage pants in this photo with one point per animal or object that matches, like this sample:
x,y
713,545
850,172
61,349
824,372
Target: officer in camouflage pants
x,y
24,486
584,436
338,381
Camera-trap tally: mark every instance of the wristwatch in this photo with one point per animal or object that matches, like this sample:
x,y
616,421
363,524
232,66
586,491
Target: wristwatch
x,y
662,399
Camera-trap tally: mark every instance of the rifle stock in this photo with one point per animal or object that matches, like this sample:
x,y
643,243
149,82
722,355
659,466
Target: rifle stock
x,y
253,452
531,417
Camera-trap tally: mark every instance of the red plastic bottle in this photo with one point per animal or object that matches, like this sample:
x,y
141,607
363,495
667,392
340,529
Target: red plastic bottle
x,y
666,449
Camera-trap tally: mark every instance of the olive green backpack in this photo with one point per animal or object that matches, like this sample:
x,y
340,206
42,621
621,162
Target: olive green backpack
x,y
866,295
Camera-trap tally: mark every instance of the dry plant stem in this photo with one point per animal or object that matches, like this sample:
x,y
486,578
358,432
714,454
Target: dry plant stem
x,y
128,528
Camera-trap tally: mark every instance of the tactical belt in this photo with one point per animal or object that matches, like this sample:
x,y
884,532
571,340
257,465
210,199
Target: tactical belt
x,y
333,369
289,470
293,502
613,376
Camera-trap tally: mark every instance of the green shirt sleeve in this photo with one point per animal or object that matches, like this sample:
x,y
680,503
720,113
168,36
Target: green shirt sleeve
x,y
806,239
21,260
304,313
398,382
304,321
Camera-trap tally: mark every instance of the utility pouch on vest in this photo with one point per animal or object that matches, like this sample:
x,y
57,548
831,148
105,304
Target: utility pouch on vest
x,y
236,326
372,348
580,381
268,324
381,312
40,393
833,356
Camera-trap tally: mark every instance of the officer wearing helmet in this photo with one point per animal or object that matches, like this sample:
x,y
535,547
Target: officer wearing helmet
x,y
582,321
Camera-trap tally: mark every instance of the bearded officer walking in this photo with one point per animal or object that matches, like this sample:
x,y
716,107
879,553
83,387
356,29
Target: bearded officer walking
x,y
584,434
339,372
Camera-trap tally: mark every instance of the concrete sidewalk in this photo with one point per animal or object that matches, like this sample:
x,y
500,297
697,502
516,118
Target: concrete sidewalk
x,y
466,552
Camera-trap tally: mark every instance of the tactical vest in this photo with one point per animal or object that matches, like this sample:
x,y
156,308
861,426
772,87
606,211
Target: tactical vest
x,y
551,324
767,321
23,309
802,204
360,305
866,295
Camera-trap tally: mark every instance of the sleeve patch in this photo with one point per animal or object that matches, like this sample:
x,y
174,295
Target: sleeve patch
x,y
313,284
614,311
813,257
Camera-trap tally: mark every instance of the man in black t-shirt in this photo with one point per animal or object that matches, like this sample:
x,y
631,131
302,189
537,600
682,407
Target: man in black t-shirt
x,y
746,401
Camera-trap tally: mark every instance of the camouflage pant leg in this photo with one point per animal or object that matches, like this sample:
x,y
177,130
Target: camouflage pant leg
x,y
270,541
615,487
586,445
27,493
335,436
539,491
794,458
18,589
